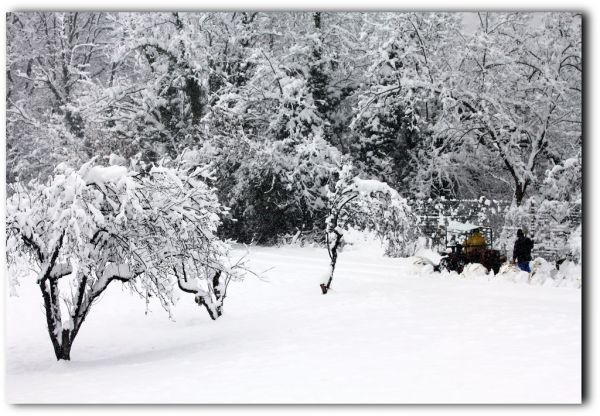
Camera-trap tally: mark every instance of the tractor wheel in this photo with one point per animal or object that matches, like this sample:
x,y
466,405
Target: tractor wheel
x,y
460,265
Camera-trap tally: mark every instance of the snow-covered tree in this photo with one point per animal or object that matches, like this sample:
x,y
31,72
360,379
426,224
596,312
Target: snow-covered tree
x,y
269,127
394,115
55,62
515,92
163,65
152,228
367,204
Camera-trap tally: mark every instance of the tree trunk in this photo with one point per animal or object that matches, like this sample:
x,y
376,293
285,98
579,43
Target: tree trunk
x,y
214,310
520,192
61,344
338,238
63,352
62,339
317,20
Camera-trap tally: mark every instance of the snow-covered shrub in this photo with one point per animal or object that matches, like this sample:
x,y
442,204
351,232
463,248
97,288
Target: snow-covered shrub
x,y
395,223
475,271
511,273
569,275
273,189
543,272
558,216
563,181
153,229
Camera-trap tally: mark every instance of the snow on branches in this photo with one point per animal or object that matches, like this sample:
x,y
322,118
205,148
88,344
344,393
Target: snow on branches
x,y
151,228
368,204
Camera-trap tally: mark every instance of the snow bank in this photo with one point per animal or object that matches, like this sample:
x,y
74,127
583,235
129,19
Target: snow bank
x,y
476,271
543,273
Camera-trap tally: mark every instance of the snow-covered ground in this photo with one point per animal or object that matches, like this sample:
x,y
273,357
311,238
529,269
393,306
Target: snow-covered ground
x,y
388,332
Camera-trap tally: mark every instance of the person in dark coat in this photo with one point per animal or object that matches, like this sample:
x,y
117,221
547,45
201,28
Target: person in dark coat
x,y
522,251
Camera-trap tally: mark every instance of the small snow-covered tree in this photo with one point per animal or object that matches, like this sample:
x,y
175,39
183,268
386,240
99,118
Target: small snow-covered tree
x,y
152,228
367,204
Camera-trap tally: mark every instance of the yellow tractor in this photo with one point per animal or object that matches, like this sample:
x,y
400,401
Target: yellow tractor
x,y
468,243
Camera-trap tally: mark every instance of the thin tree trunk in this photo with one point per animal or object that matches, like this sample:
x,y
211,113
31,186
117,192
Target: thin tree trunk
x,y
332,228
338,239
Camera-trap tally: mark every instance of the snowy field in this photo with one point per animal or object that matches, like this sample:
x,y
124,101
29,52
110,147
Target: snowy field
x,y
388,332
